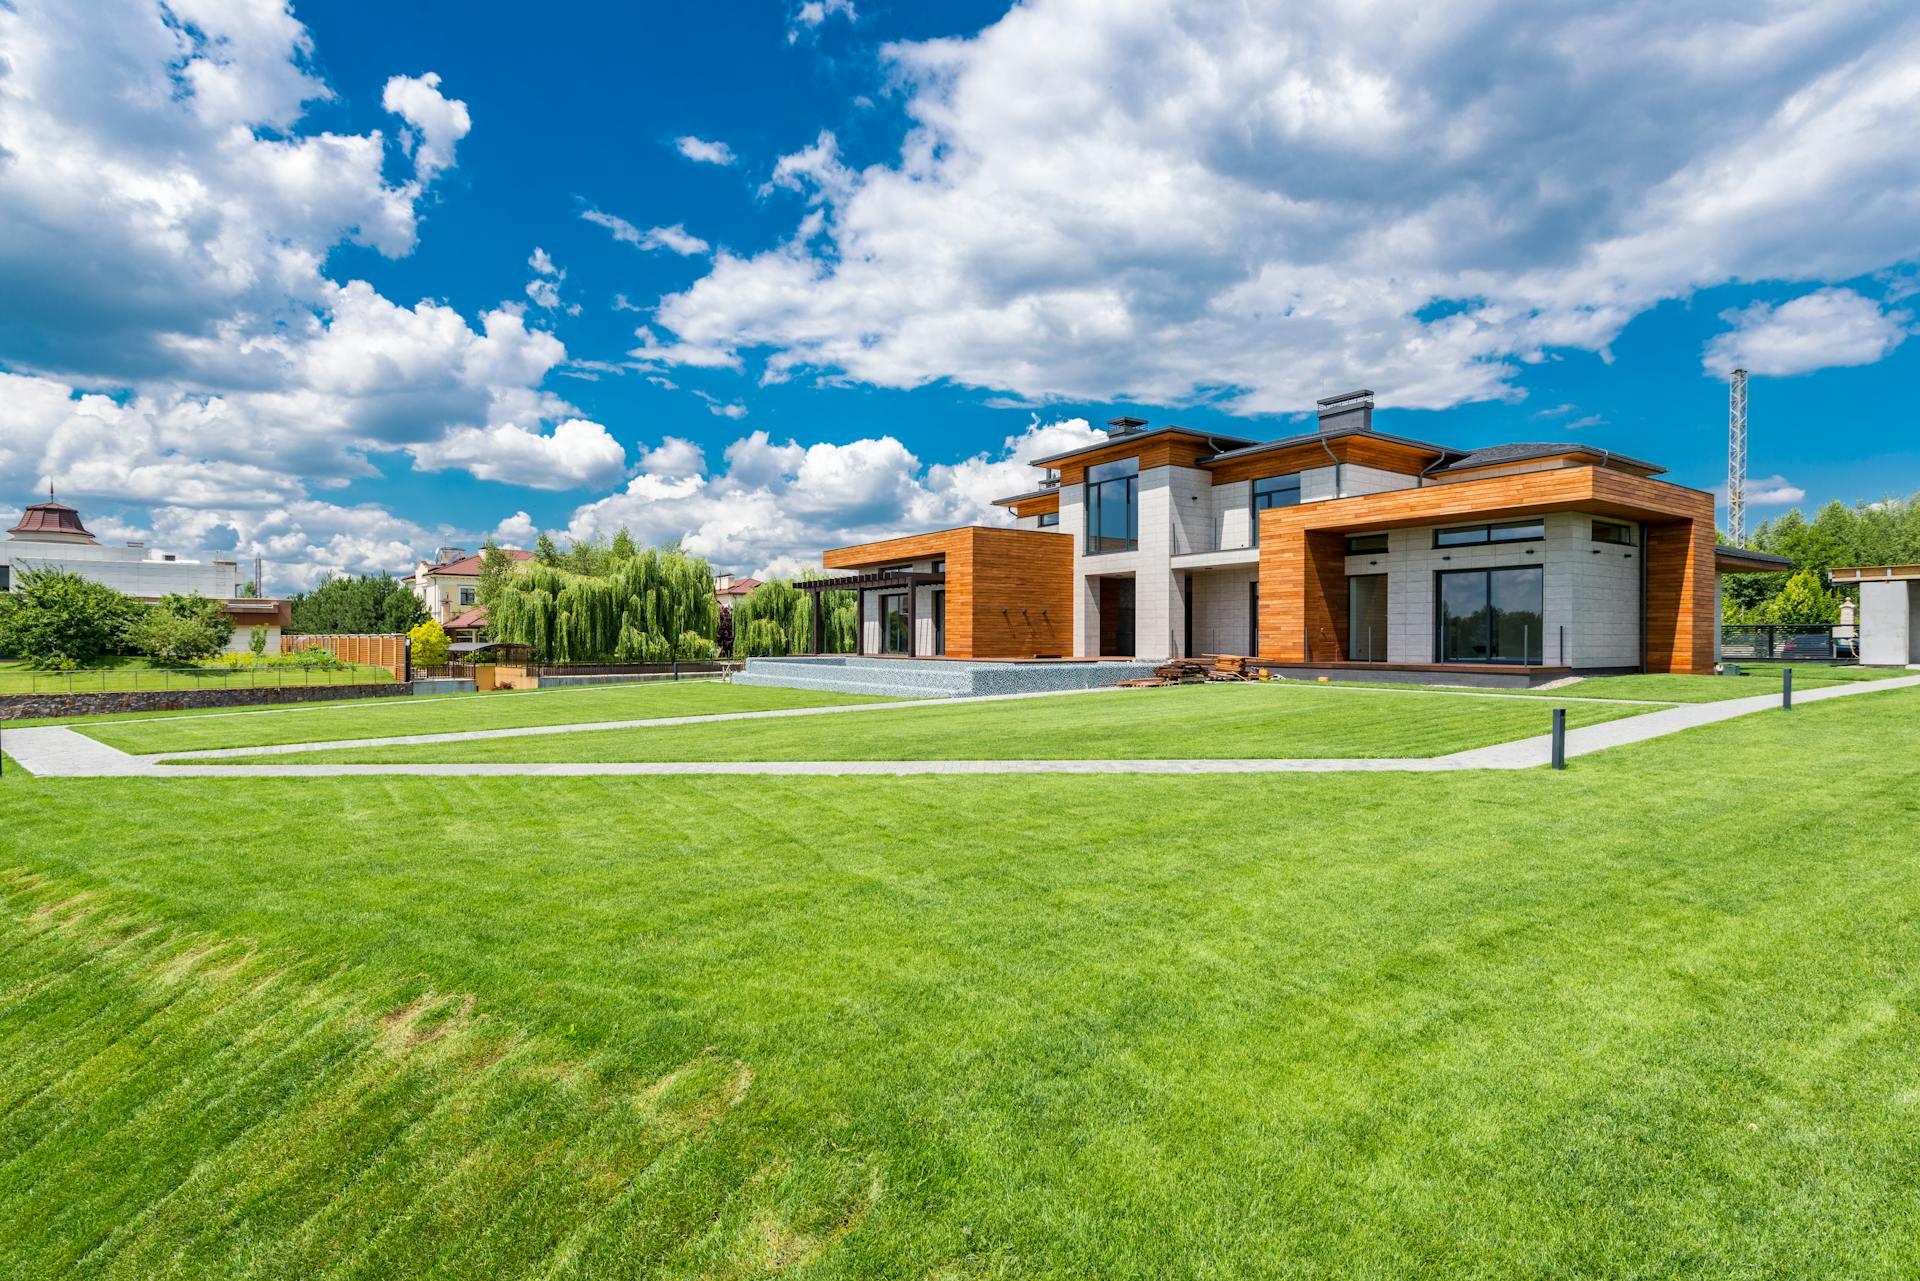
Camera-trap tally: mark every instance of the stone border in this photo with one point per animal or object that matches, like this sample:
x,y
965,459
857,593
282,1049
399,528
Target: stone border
x,y
21,707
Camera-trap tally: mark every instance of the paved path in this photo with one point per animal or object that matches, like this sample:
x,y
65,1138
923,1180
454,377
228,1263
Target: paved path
x,y
57,751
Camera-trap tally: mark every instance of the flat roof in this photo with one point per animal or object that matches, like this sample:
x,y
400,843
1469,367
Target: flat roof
x,y
1494,455
1871,573
1171,429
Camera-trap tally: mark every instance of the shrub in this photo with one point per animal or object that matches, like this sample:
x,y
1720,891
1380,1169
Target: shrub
x,y
692,647
175,638
430,645
61,620
257,643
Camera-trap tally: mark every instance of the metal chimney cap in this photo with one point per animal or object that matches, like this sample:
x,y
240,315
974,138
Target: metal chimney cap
x,y
1124,426
1345,396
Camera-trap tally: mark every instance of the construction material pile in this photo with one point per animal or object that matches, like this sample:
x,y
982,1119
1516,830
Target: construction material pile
x,y
1193,671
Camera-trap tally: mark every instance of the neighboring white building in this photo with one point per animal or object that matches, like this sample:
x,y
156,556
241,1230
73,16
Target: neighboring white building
x,y
51,536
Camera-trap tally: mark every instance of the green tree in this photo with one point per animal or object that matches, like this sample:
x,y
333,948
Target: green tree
x,y
174,637
370,604
791,611
1805,599
431,647
203,612
623,548
633,612
546,551
496,567
54,618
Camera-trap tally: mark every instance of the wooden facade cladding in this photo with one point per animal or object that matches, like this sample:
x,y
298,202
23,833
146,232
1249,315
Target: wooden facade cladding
x,y
1303,589
1044,505
1009,591
1364,450
1175,449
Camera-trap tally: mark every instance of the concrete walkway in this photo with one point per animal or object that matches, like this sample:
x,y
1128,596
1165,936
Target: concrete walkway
x,y
56,751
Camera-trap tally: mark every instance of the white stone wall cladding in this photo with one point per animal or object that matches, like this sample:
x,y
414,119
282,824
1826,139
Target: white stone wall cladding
x,y
1356,479
1191,509
1889,623
1233,514
1222,610
870,623
1606,599
1317,484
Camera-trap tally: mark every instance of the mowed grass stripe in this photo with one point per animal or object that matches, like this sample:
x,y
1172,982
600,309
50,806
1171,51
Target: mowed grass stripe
x,y
180,1105
444,715
1652,1017
1218,721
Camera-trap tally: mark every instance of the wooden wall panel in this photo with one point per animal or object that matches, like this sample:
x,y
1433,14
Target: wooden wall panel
x,y
1009,591
1170,450
1365,451
1020,595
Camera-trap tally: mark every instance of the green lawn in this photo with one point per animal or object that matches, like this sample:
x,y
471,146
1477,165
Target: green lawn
x,y
1754,679
1192,721
436,714
1656,1016
126,674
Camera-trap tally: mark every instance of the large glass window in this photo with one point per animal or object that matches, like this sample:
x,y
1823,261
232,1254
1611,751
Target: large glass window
x,y
1113,506
1367,618
1491,615
893,623
1273,491
1519,531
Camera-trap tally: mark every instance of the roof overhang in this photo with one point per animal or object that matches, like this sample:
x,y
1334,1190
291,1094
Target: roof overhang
x,y
1739,560
1316,437
869,582
1134,437
1876,574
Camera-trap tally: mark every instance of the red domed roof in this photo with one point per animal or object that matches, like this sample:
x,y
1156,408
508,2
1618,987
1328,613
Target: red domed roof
x,y
51,518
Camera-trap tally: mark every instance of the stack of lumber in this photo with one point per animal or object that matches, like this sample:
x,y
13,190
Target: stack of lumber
x,y
1182,671
1229,667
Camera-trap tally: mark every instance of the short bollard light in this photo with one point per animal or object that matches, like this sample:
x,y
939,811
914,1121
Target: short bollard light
x,y
1559,738
1786,688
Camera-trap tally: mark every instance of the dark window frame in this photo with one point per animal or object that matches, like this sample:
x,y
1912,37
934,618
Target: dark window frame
x,y
1122,486
1353,550
906,622
1613,527
1536,644
1462,535
1049,519
1255,506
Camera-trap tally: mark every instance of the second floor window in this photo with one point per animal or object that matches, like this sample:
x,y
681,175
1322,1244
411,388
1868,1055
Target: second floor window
x,y
469,595
1113,506
1049,519
1274,491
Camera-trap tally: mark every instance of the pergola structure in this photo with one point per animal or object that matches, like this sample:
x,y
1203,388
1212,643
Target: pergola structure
x,y
860,585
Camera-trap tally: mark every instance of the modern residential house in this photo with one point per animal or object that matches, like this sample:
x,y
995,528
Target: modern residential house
x,y
449,588
1344,548
51,536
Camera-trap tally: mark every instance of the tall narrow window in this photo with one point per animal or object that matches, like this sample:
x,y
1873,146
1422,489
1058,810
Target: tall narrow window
x,y
1273,491
893,623
1367,618
1113,506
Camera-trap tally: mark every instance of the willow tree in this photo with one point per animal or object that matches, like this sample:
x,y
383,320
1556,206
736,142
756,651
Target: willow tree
x,y
650,608
777,618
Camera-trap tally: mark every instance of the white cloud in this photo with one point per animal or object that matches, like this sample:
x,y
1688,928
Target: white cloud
x,y
675,238
776,505
725,409
437,123
168,222
577,452
516,530
543,290
812,13
1820,330
1269,201
704,152
1774,491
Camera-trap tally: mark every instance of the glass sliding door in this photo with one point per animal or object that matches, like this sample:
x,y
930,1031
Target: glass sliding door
x,y
1367,618
1491,615
893,623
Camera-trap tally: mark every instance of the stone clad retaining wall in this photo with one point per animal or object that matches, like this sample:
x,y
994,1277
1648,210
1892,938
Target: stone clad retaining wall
x,y
19,707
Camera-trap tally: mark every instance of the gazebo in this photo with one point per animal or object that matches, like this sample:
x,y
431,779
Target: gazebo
x,y
860,584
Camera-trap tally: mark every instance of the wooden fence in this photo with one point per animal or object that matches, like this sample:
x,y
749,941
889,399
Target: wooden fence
x,y
388,651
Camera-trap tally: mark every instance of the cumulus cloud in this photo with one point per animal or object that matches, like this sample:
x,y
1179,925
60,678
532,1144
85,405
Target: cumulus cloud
x,y
436,123
1273,199
171,340
701,151
776,505
1771,491
543,290
675,238
516,530
575,453
1820,330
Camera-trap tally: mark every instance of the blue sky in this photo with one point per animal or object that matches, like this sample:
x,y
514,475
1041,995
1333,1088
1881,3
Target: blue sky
x,y
338,284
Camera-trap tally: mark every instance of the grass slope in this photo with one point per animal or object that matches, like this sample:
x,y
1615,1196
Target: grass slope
x,y
436,715
1189,722
1655,1016
124,674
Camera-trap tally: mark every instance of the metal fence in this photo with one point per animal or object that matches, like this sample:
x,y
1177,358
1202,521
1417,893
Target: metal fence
x,y
1806,642
120,680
